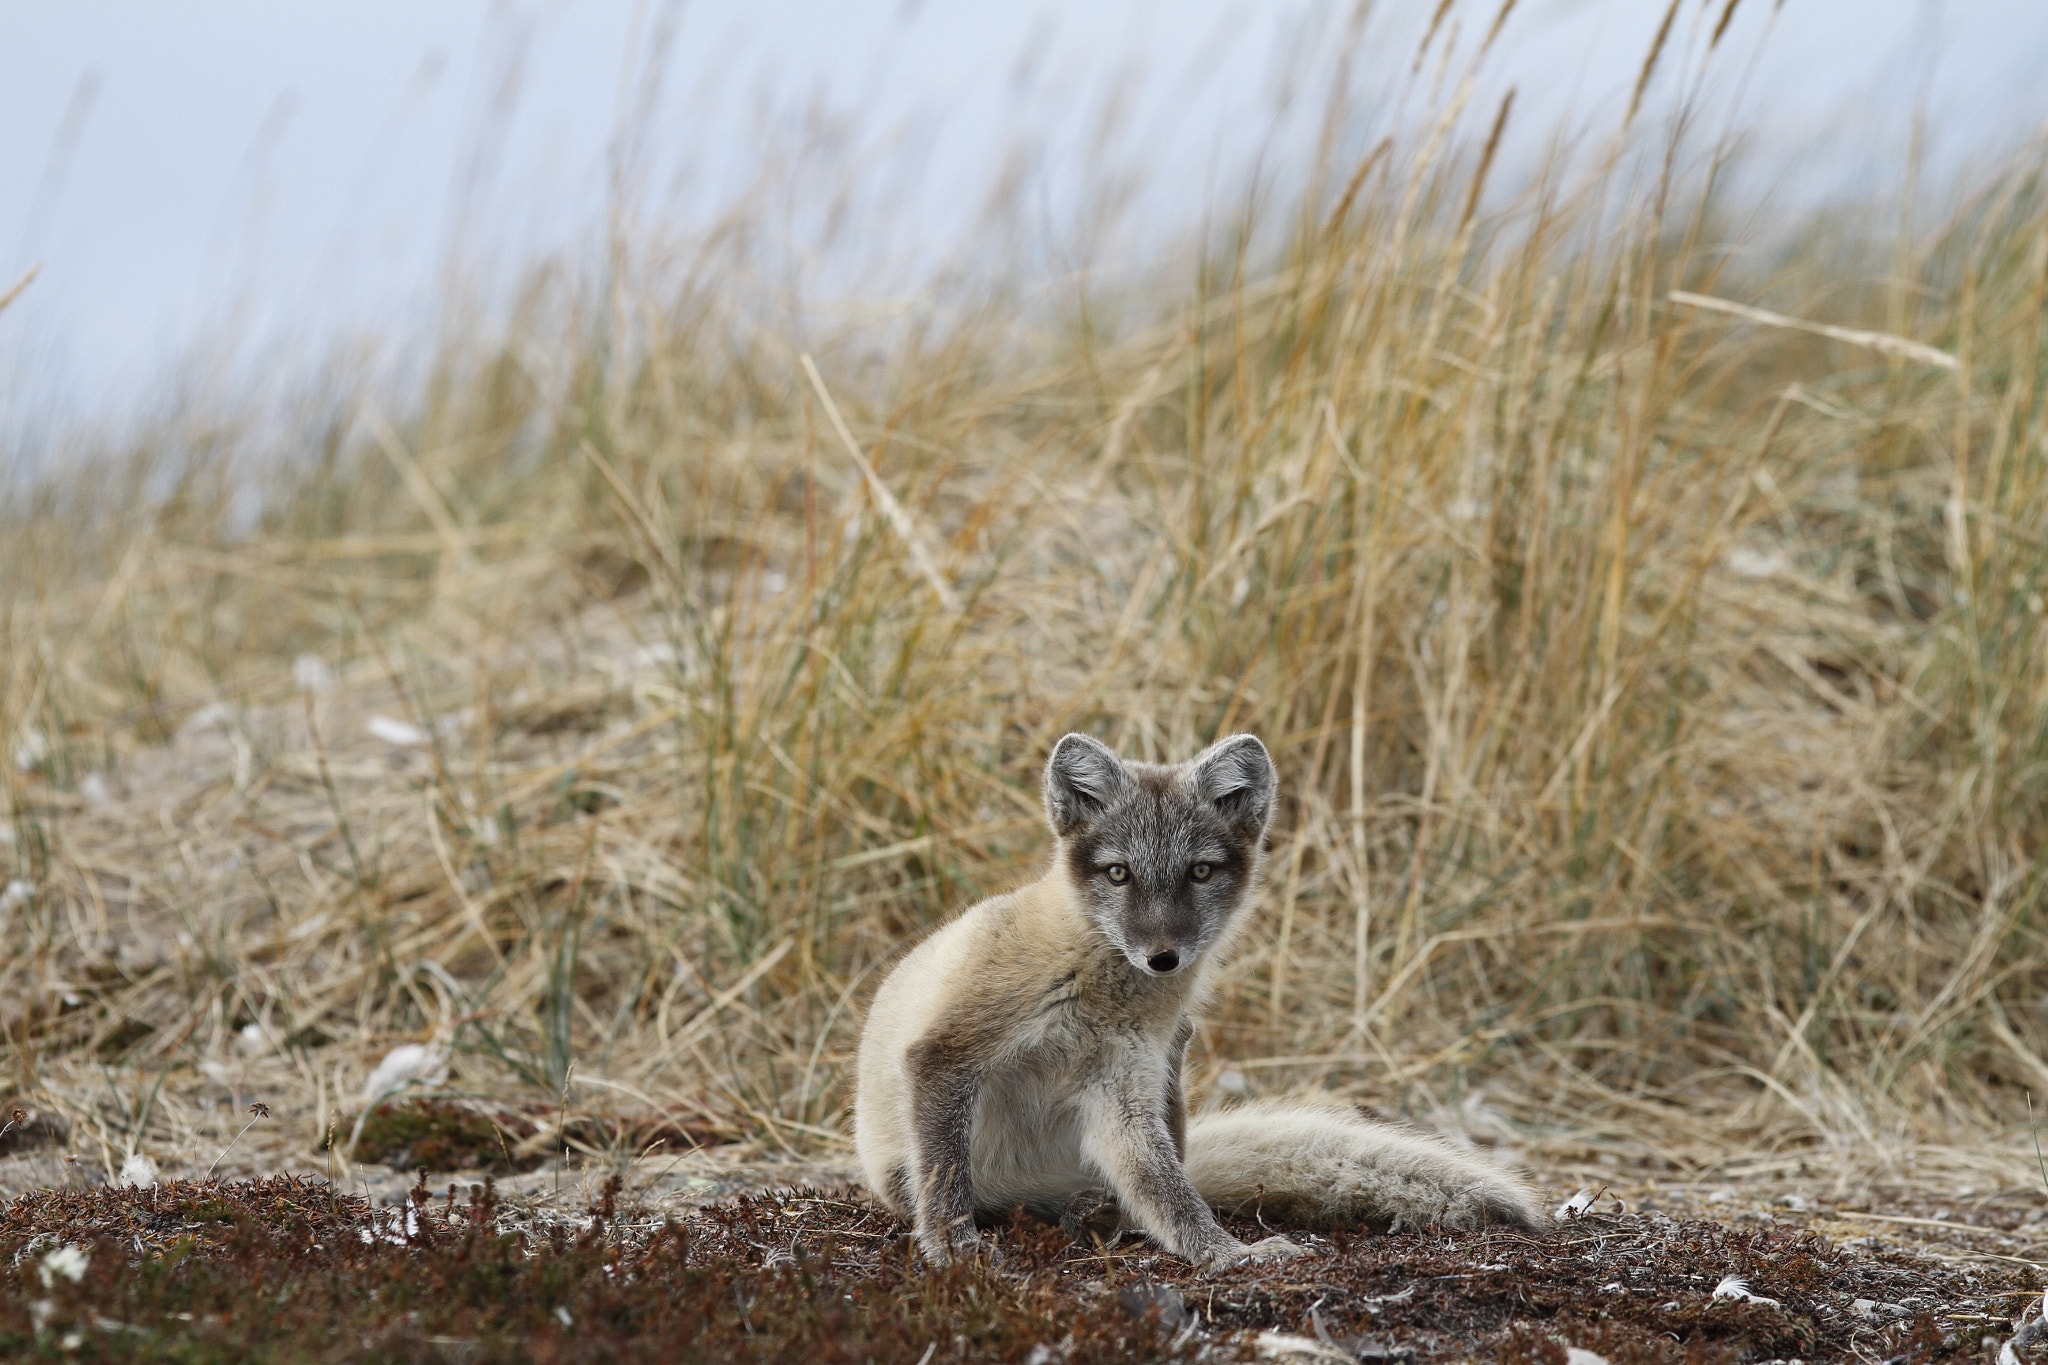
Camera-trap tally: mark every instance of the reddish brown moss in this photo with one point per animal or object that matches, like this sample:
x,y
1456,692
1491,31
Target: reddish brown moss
x,y
446,1136
438,1135
290,1270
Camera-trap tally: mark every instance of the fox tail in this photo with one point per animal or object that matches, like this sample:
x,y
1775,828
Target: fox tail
x,y
1318,1166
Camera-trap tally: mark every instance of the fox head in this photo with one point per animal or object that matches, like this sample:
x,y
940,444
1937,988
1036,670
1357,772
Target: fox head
x,y
1161,857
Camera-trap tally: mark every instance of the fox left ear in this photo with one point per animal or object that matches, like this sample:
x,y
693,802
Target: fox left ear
x,y
1083,779
1236,776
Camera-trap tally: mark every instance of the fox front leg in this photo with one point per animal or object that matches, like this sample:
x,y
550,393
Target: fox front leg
x,y
942,1094
1125,1134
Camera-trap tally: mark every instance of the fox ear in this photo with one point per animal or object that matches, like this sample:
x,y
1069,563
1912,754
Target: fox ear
x,y
1236,776
1083,778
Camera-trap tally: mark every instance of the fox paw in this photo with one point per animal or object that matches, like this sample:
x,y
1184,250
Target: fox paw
x,y
1270,1249
961,1246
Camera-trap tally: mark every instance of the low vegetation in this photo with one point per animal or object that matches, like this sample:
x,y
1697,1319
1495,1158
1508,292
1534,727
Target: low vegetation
x,y
289,1270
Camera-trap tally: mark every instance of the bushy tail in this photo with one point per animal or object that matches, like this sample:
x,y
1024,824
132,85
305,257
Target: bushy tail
x,y
1301,1164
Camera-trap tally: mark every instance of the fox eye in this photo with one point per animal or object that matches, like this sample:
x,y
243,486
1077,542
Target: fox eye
x,y
1117,873
1201,872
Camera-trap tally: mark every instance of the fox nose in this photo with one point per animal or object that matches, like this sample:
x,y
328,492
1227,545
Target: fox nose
x,y
1163,963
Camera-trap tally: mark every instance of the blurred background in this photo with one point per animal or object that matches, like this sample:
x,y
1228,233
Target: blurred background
x,y
207,182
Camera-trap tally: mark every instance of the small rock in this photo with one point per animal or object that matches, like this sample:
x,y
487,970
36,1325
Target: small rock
x,y
1140,1300
1871,1310
1289,1346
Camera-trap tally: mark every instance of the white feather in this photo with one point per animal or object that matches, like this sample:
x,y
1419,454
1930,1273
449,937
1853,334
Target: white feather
x,y
406,1064
398,732
1736,1288
1576,1205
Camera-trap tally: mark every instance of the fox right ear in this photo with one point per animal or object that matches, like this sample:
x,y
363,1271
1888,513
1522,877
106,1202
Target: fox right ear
x,y
1237,776
1083,778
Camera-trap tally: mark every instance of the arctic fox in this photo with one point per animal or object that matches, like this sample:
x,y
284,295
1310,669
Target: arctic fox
x,y
1029,1052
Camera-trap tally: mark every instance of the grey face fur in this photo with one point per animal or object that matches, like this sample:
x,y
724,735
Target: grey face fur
x,y
1163,857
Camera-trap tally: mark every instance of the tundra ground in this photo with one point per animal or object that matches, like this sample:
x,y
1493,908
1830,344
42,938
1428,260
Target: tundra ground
x,y
295,1269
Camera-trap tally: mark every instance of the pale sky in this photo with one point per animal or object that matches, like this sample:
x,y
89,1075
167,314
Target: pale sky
x,y
242,169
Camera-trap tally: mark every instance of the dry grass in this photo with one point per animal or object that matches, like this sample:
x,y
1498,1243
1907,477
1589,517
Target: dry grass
x,y
1658,693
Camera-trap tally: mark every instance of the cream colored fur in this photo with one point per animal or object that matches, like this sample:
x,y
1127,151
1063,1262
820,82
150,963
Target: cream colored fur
x,y
1303,1164
1291,1162
1029,1052
1027,1141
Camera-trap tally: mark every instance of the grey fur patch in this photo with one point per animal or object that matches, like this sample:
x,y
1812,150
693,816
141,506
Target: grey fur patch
x,y
1236,776
942,1075
1083,778
1162,856
900,1193
1176,1095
